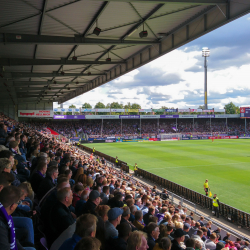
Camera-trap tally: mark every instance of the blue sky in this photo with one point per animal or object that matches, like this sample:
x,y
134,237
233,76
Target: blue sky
x,y
177,79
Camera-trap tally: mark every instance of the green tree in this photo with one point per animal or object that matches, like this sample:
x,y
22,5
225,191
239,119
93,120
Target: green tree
x,y
57,113
116,105
161,112
231,108
86,106
70,107
100,105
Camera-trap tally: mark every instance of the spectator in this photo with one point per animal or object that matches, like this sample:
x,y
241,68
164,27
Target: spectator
x,y
88,243
198,237
105,195
138,222
9,199
186,229
164,244
80,204
237,243
137,241
85,226
114,219
153,234
194,229
91,204
150,213
78,189
201,221
37,178
48,182
210,243
190,244
179,237
60,217
125,218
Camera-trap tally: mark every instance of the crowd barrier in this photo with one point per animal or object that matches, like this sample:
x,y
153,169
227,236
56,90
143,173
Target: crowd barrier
x,y
231,214
123,165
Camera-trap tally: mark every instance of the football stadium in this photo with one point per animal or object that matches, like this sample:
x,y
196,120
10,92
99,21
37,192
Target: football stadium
x,y
103,146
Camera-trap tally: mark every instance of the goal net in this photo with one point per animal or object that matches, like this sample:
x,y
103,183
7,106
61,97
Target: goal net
x,y
169,137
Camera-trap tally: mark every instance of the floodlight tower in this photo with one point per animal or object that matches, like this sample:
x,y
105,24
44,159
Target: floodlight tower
x,y
205,54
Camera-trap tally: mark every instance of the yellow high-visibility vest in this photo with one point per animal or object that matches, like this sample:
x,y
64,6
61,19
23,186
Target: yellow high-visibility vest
x,y
215,202
206,184
116,160
135,168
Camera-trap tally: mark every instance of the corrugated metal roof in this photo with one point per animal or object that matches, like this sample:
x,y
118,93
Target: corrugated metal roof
x,y
115,18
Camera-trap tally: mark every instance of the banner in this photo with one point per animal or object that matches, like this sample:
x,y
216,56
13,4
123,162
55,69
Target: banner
x,y
35,113
219,110
102,110
158,110
88,110
183,110
145,110
207,110
117,110
187,116
149,116
129,116
205,116
101,116
69,116
171,110
131,110
169,116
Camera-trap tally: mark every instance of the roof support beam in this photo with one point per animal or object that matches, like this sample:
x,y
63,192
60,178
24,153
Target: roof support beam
x,y
206,2
24,61
10,38
36,83
12,75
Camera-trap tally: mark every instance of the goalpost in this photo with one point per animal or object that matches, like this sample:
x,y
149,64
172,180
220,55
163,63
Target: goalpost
x,y
170,137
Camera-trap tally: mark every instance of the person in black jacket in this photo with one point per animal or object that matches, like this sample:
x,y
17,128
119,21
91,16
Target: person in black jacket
x,y
9,199
21,166
150,213
60,217
48,182
179,236
3,131
37,178
153,234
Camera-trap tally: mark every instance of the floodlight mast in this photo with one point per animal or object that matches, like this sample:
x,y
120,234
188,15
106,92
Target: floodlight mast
x,y
205,54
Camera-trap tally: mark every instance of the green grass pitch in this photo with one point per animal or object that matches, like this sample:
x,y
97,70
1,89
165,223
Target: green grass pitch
x,y
225,163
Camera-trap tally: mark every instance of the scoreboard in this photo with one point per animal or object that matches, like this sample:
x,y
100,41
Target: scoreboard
x,y
245,112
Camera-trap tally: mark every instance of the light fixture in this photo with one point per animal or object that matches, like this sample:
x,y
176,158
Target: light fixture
x,y
74,58
45,93
108,59
143,33
68,88
89,73
77,82
49,87
55,82
62,72
97,30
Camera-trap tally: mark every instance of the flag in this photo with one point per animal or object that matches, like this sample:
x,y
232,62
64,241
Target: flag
x,y
210,194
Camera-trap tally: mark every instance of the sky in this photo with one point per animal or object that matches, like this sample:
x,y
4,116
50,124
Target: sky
x,y
176,80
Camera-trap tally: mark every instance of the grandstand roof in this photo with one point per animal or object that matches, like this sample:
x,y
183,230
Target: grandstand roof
x,y
39,38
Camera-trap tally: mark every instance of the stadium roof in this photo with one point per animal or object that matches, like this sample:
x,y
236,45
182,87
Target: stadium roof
x,y
48,51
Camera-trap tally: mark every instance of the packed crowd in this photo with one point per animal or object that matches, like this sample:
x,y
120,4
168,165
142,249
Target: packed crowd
x,y
148,127
80,202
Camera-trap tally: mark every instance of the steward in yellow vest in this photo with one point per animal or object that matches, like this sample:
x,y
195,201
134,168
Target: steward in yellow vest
x,y
135,169
216,204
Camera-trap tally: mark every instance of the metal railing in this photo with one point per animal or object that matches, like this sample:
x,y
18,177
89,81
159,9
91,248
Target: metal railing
x,y
230,213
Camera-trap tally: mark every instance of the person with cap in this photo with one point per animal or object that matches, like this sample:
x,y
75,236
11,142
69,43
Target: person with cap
x,y
153,234
114,219
91,204
198,237
186,229
179,236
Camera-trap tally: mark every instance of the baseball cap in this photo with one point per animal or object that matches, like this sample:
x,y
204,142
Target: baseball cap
x,y
186,226
219,246
178,233
94,194
113,213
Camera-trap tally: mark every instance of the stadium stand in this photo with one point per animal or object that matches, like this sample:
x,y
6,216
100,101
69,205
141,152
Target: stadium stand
x,y
68,209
